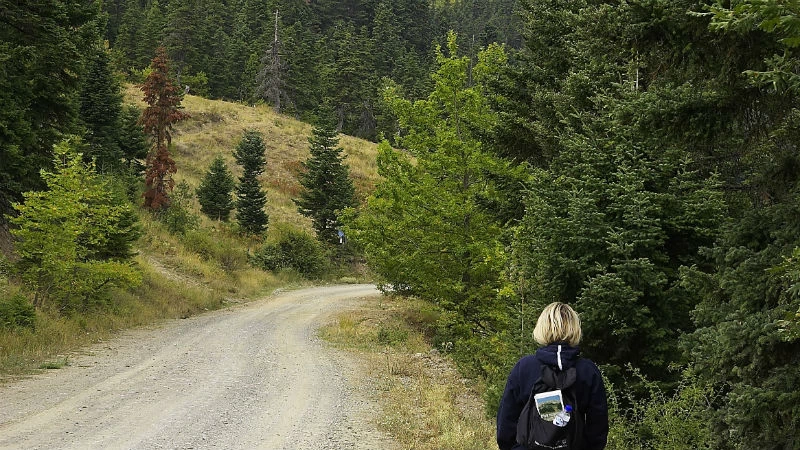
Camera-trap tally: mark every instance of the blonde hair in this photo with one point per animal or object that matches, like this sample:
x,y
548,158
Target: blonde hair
x,y
558,323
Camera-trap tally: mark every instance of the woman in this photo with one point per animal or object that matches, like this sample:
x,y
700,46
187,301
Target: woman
x,y
558,330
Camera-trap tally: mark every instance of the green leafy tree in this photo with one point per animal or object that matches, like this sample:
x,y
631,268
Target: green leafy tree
x,y
215,190
75,239
163,110
250,198
328,189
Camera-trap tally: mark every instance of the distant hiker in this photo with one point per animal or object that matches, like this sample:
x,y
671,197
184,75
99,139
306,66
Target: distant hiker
x,y
558,330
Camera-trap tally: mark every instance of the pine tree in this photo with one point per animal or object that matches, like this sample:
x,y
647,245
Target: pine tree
x,y
215,191
250,198
163,110
327,183
271,79
100,111
76,238
42,45
132,139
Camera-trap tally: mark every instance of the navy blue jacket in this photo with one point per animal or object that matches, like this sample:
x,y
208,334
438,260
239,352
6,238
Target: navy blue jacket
x,y
589,390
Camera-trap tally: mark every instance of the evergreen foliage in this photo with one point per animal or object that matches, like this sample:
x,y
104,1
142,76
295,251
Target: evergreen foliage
x,y
271,80
214,193
100,112
324,51
608,228
328,189
163,110
75,240
179,217
132,139
41,47
250,198
424,229
17,312
637,159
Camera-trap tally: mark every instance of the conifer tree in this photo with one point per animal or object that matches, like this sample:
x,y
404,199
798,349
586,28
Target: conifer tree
x,y
327,183
41,53
271,79
75,239
250,198
424,230
163,110
214,193
132,140
100,111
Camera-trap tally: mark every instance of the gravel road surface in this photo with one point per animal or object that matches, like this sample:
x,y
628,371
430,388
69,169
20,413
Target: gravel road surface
x,y
251,376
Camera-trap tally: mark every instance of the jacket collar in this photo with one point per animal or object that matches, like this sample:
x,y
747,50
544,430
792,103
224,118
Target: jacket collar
x,y
559,355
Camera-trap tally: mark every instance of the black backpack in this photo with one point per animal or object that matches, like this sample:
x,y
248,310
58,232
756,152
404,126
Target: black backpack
x,y
535,433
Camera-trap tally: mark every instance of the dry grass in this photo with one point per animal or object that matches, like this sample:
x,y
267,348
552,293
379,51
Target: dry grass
x,y
203,270
215,127
427,404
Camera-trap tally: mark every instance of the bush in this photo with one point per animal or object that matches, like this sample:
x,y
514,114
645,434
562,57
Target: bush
x,y
295,250
228,256
659,421
179,217
17,311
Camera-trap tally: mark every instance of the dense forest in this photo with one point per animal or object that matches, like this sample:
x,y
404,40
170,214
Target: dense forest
x,y
637,159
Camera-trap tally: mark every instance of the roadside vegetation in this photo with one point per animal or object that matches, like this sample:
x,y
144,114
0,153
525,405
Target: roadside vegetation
x,y
426,403
635,159
185,262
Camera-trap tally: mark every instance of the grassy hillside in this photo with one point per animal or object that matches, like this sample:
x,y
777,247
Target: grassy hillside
x,y
428,405
204,269
215,127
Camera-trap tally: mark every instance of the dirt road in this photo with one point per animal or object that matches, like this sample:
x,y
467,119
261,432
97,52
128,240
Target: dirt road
x,y
252,376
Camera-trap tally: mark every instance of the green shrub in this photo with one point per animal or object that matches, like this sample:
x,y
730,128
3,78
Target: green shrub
x,y
179,217
659,421
227,255
17,311
296,250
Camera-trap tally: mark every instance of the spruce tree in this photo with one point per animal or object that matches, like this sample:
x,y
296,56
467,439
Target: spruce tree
x,y
75,240
100,111
271,79
163,110
132,140
41,54
215,191
327,183
250,198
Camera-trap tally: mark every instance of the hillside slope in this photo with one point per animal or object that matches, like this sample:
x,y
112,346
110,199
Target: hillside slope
x,y
216,126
